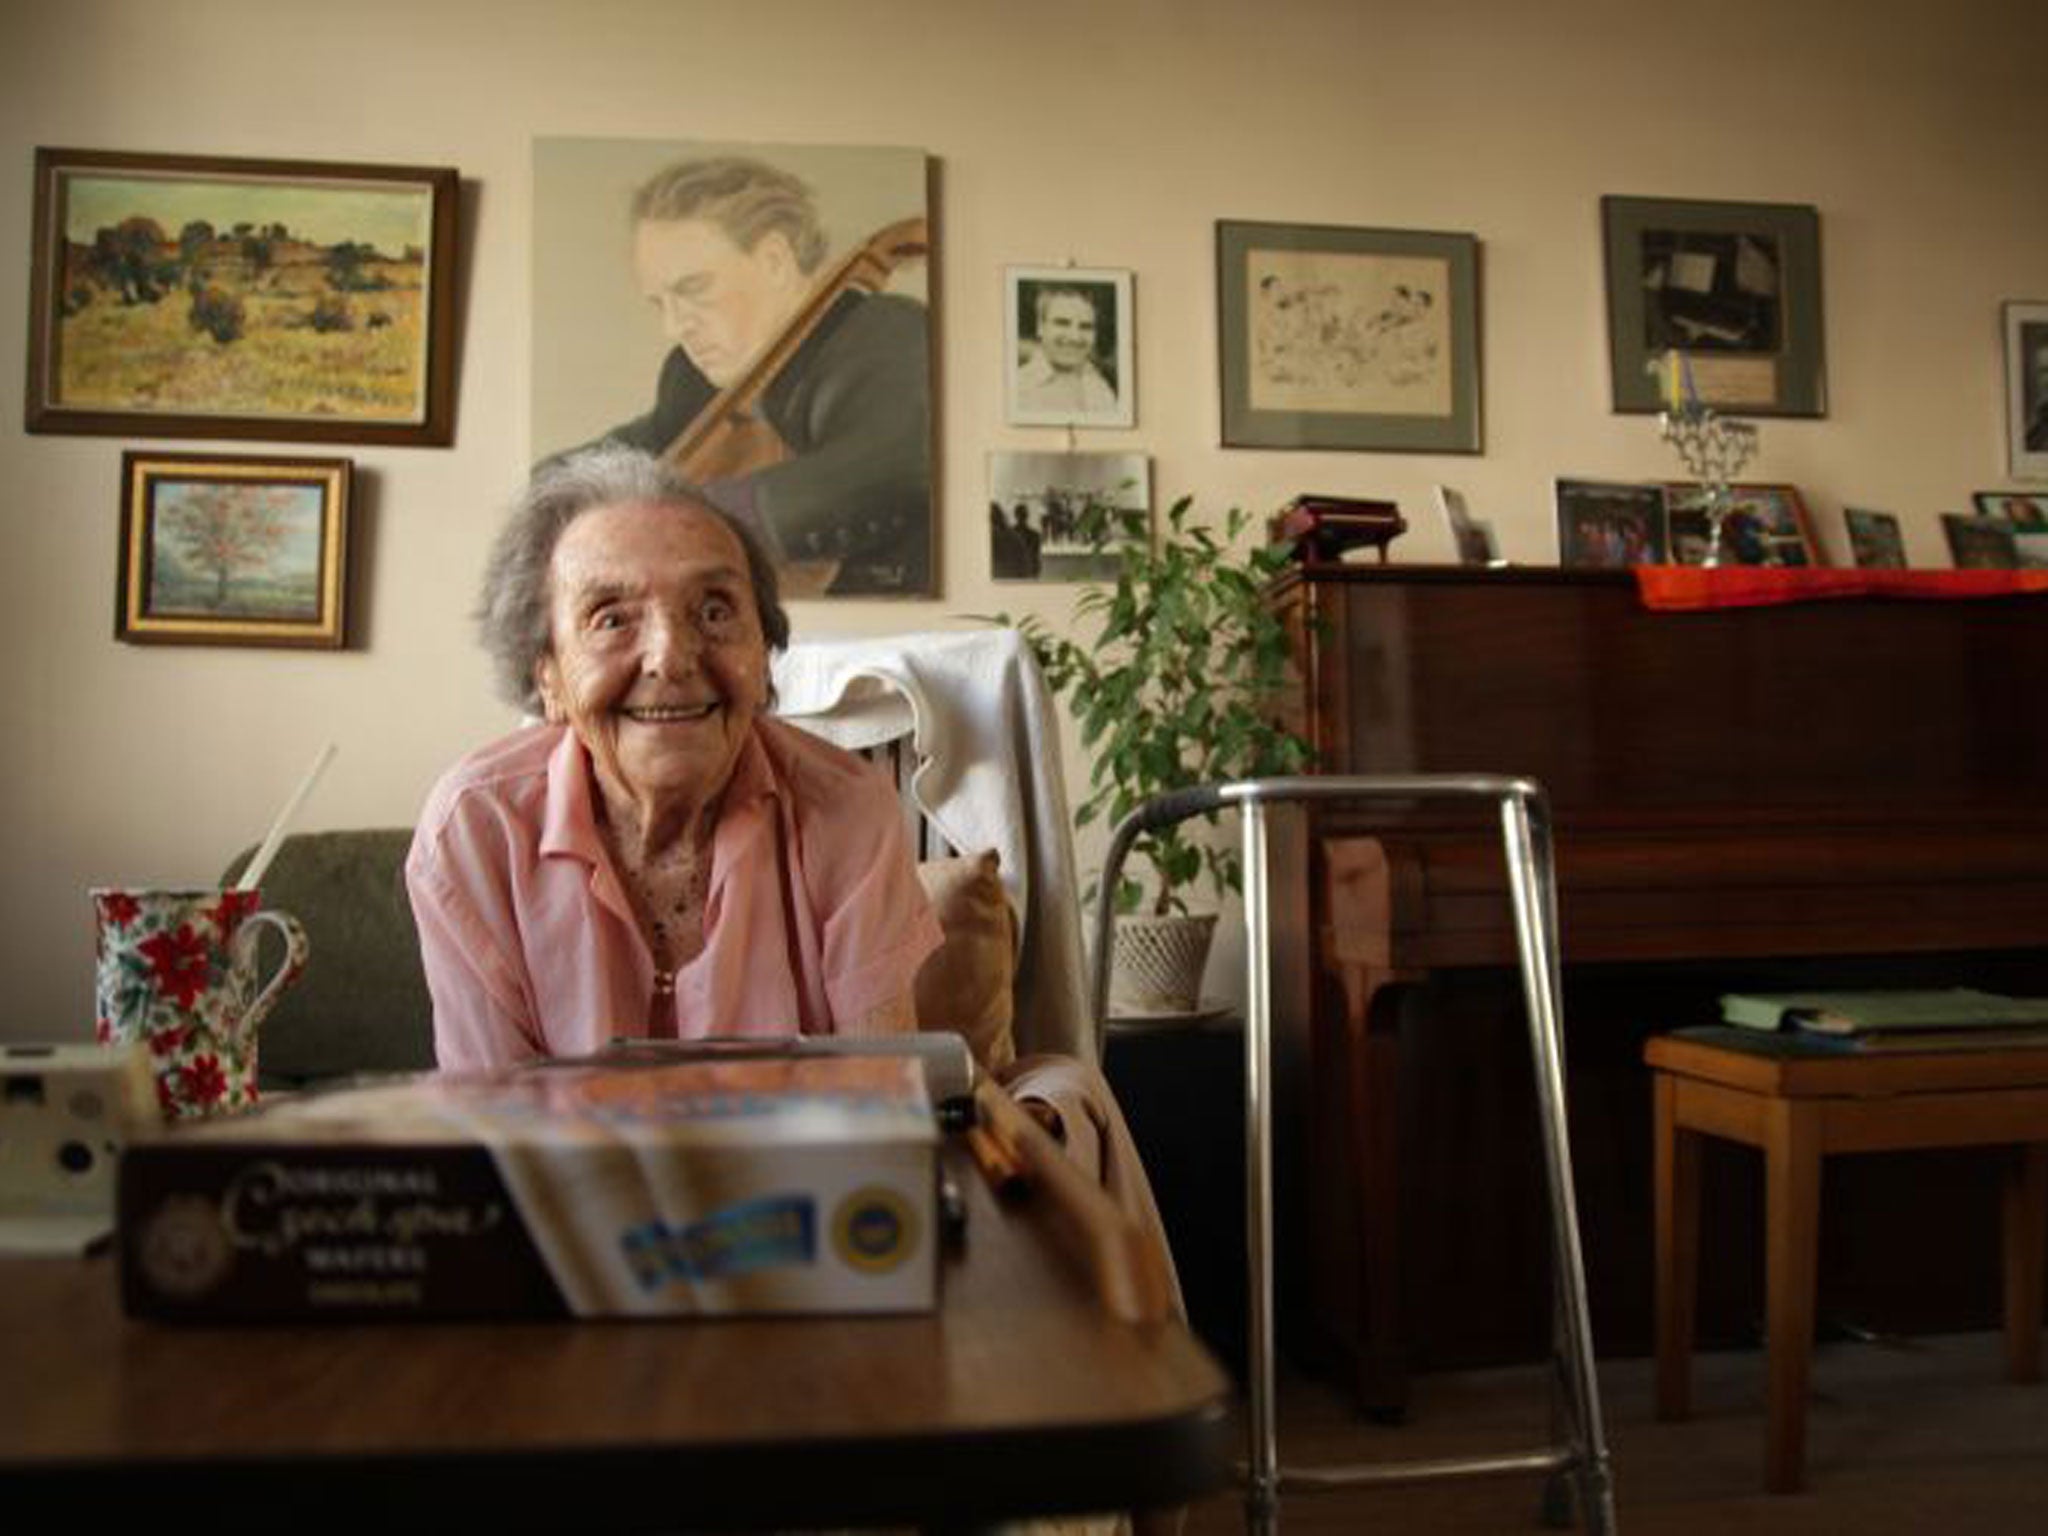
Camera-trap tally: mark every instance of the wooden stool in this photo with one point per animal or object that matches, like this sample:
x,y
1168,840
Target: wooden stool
x,y
1797,1104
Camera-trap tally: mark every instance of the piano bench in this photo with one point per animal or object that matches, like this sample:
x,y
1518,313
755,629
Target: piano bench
x,y
1797,1104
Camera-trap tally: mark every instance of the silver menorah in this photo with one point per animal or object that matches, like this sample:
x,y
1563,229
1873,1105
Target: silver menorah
x,y
1713,449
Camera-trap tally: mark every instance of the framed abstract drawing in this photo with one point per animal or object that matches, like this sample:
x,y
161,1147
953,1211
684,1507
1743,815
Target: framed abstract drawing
x,y
1335,337
198,296
223,549
1734,287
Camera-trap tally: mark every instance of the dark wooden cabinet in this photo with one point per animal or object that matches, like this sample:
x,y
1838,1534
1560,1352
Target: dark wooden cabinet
x,y
1851,792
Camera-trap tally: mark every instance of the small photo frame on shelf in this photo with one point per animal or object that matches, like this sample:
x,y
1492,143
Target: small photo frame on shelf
x,y
1334,337
1733,287
224,549
1035,507
2026,389
2023,512
1979,543
1764,525
1068,347
2026,516
199,296
1876,542
1610,523
1473,540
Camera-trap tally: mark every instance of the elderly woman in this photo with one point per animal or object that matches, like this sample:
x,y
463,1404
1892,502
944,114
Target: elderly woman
x,y
658,858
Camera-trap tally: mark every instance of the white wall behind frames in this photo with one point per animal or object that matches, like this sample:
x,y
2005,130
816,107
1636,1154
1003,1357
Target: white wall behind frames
x,y
1115,134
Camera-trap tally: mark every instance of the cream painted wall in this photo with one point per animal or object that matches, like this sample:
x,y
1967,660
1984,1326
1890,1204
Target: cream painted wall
x,y
1114,132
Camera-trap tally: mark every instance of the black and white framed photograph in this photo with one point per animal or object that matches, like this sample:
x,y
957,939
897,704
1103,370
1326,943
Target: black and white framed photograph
x,y
1067,347
1609,523
1875,540
2026,389
1732,287
1334,337
1037,512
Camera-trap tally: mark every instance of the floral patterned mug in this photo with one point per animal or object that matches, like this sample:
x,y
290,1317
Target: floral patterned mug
x,y
176,970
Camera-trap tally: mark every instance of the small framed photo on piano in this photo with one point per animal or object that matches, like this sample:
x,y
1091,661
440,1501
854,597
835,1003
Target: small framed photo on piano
x,y
1607,523
1765,525
1875,542
1979,543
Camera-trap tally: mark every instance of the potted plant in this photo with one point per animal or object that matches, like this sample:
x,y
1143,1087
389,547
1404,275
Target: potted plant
x,y
1171,677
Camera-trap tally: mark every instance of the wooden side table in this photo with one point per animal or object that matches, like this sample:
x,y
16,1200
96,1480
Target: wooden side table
x,y
1797,1104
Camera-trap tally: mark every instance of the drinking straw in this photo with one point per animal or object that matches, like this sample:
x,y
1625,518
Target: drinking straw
x,y
268,850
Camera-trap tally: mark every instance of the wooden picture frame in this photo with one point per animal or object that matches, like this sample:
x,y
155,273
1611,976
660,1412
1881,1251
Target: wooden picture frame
x,y
2026,389
2024,510
1610,523
228,549
1876,541
1733,286
1068,347
1979,543
202,296
1765,525
1334,337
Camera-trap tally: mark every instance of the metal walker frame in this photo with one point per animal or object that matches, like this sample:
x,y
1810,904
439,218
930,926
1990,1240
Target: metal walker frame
x,y
1525,831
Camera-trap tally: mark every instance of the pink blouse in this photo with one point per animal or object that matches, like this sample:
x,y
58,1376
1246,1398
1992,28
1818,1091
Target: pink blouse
x,y
814,917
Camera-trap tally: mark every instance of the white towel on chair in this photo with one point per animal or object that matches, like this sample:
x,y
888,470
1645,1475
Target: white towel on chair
x,y
987,775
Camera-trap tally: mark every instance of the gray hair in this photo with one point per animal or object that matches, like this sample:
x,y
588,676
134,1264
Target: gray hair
x,y
746,198
512,617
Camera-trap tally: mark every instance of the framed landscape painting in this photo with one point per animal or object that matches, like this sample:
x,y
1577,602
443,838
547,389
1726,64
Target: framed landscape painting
x,y
198,296
1348,338
221,549
1734,287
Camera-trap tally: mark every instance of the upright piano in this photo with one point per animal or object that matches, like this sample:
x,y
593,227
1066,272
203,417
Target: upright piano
x,y
1841,792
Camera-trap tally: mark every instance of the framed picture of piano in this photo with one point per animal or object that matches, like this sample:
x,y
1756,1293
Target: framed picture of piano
x,y
1764,525
1734,287
1610,523
764,325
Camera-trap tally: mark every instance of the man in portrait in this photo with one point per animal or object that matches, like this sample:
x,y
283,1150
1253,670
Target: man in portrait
x,y
1059,371
831,461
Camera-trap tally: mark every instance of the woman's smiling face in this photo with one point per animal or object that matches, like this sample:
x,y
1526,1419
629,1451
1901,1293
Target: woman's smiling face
x,y
656,657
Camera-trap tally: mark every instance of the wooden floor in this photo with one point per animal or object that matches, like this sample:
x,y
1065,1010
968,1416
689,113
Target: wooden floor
x,y
1903,1436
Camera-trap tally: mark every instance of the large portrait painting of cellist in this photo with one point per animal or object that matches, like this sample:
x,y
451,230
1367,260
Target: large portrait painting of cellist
x,y
758,315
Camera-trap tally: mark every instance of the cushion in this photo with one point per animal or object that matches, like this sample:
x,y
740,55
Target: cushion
x,y
968,984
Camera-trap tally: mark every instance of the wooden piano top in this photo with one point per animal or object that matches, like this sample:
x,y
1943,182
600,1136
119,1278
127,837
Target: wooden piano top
x,y
1853,776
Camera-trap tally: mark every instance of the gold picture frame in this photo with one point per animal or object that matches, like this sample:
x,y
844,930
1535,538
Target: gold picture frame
x,y
228,549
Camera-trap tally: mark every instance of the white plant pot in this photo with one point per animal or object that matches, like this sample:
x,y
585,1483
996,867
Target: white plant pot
x,y
1156,963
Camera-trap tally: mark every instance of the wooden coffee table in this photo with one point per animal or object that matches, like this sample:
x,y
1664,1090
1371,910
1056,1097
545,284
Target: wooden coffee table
x,y
1801,1105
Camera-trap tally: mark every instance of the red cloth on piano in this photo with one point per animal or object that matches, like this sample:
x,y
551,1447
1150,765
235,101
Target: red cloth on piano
x,y
1682,587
